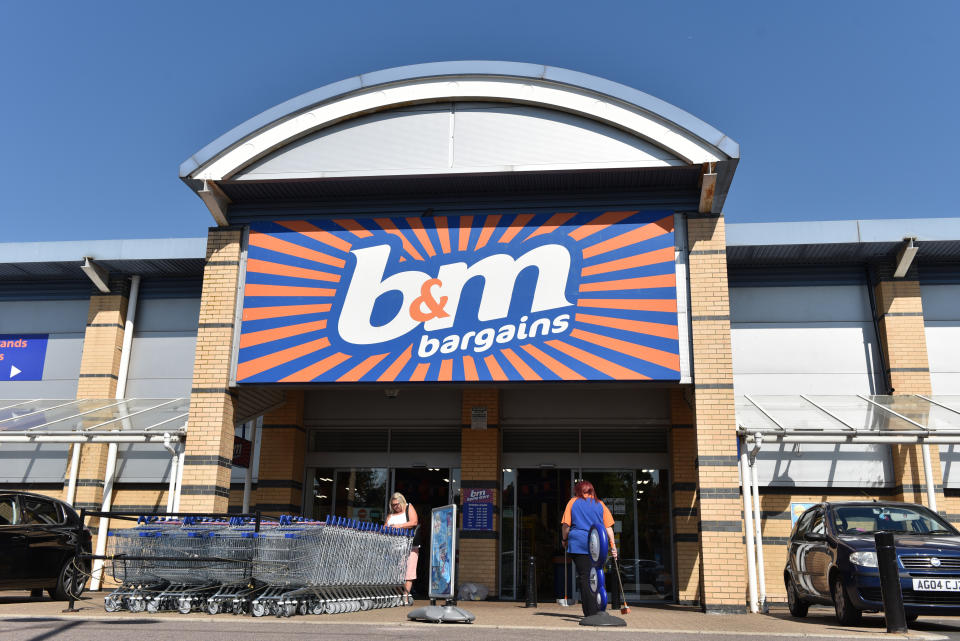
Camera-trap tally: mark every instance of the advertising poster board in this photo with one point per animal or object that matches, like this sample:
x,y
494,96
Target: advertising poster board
x,y
585,295
796,509
443,551
478,508
22,356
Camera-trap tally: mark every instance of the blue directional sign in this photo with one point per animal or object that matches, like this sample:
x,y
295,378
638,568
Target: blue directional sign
x,y
22,356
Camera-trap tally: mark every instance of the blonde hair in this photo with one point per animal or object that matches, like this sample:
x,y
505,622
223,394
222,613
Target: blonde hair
x,y
400,499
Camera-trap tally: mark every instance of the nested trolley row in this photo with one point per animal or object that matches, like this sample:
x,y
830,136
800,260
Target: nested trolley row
x,y
274,567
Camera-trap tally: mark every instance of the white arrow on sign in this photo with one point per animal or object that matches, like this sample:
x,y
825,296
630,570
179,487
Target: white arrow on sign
x,y
14,371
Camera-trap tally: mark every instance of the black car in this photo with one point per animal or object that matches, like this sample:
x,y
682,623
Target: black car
x,y
38,545
832,559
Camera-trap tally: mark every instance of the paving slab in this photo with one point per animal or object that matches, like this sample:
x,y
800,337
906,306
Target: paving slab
x,y
659,619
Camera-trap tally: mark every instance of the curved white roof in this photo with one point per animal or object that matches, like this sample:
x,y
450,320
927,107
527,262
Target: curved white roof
x,y
684,138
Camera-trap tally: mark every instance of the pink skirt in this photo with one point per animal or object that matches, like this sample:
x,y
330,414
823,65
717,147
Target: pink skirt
x,y
412,564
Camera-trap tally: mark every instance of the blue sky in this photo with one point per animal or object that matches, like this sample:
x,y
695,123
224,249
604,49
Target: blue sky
x,y
842,109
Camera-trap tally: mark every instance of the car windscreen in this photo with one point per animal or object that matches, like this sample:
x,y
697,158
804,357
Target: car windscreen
x,y
867,519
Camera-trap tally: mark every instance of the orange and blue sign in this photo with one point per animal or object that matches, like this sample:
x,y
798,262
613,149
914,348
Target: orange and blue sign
x,y
22,356
588,296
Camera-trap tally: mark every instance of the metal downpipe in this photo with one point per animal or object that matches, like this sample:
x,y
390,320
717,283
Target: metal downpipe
x,y
111,471
758,524
928,477
748,527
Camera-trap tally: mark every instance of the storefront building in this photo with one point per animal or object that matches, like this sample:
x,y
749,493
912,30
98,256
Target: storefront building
x,y
476,283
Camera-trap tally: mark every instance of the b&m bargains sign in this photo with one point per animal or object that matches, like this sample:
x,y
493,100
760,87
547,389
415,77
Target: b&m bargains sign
x,y
495,297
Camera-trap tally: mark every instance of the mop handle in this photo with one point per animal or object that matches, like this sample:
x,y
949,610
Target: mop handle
x,y
623,597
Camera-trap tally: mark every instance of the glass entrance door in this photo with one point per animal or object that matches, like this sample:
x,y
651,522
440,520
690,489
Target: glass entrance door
x,y
424,489
640,504
533,501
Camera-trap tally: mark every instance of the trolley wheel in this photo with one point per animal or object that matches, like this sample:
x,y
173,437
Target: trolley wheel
x,y
316,608
238,607
136,605
212,607
110,604
153,606
329,607
289,610
366,604
184,606
257,609
303,608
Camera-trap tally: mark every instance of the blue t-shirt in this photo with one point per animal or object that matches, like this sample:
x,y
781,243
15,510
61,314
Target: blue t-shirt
x,y
583,514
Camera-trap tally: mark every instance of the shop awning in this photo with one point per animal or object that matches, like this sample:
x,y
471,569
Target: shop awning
x,y
91,420
811,418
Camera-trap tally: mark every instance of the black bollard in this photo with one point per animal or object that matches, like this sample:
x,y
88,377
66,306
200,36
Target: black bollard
x,y
893,611
532,583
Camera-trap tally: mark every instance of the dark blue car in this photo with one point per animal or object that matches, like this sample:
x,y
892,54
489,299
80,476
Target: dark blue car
x,y
832,560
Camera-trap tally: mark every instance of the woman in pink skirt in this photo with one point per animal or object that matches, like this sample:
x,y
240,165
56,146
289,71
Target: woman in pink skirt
x,y
403,515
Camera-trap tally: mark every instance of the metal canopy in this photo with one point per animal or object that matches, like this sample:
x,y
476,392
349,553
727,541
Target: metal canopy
x,y
808,418
90,420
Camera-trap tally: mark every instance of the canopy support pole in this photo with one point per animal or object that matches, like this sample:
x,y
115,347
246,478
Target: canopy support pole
x,y
758,523
179,474
248,474
748,526
74,472
928,476
174,465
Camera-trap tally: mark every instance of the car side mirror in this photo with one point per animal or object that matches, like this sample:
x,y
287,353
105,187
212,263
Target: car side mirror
x,y
816,536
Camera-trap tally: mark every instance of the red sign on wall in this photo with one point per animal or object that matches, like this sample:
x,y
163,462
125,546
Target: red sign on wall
x,y
241,451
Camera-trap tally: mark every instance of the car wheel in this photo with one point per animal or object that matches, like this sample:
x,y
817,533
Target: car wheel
x,y
847,614
71,582
798,607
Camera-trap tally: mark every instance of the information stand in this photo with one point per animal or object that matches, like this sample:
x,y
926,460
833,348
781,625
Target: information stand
x,y
443,561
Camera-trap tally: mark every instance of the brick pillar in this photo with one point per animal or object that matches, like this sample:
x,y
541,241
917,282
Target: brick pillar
x,y
206,471
99,368
686,520
283,446
903,340
722,557
480,467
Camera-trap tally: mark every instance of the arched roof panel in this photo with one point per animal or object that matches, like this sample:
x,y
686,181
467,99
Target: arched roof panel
x,y
658,123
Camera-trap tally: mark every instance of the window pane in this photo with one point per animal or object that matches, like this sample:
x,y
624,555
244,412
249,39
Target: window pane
x,y
361,493
320,501
8,510
40,512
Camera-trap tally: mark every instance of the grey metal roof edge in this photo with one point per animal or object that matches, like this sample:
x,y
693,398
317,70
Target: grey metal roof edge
x,y
819,232
119,249
644,101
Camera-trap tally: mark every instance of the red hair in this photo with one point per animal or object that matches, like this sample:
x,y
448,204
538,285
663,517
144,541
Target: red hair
x,y
583,488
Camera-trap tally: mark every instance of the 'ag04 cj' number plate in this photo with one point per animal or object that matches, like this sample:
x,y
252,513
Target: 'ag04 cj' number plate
x,y
937,585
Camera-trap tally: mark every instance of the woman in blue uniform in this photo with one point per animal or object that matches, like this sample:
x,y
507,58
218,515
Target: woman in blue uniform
x,y
582,511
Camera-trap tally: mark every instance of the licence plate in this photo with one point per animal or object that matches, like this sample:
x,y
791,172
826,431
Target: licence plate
x,y
937,585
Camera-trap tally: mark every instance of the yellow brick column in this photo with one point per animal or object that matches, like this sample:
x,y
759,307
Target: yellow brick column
x,y
283,446
209,450
480,467
904,343
99,368
722,557
686,519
